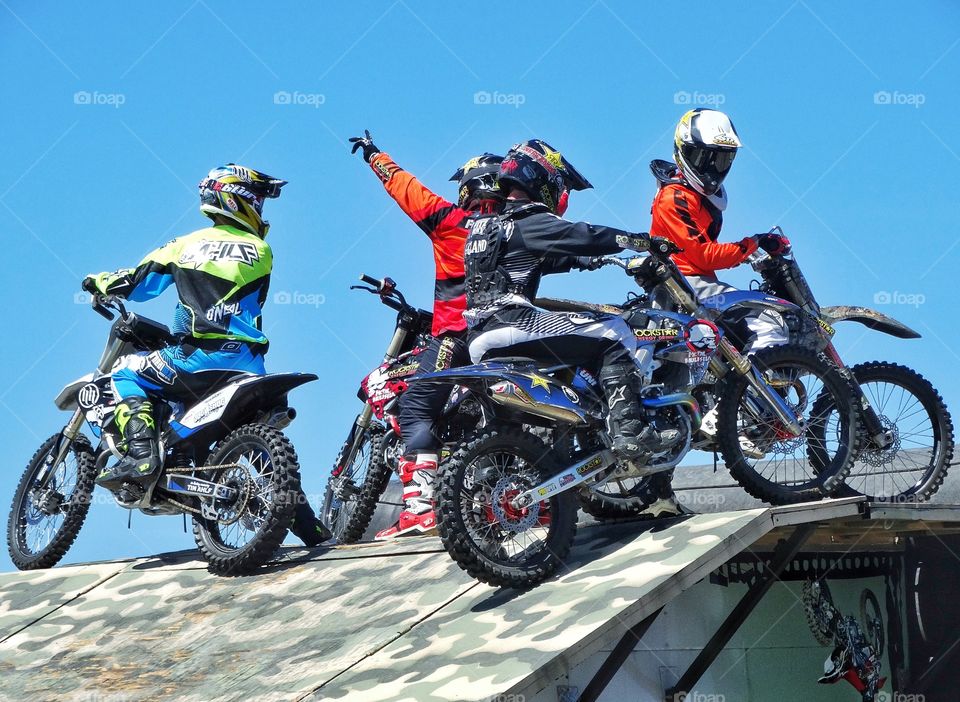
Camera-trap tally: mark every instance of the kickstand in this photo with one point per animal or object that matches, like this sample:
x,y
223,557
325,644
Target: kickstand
x,y
184,522
714,461
129,517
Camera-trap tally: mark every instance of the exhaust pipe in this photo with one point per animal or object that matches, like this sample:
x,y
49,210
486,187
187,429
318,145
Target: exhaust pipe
x,y
281,418
510,395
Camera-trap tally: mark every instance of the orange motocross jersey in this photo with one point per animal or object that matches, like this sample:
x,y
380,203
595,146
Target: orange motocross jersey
x,y
444,223
693,223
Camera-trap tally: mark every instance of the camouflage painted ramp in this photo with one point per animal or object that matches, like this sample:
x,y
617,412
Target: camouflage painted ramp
x,y
373,622
154,632
491,644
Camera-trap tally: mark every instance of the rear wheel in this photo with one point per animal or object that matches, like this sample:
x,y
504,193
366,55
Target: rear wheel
x,y
483,532
770,462
912,468
43,523
260,465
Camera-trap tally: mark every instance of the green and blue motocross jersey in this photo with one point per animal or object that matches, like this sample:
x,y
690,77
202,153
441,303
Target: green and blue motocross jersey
x,y
221,273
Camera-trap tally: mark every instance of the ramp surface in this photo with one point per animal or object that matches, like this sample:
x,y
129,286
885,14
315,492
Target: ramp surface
x,y
393,621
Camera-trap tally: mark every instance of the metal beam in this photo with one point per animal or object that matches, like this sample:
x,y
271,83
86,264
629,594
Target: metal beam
x,y
618,656
782,555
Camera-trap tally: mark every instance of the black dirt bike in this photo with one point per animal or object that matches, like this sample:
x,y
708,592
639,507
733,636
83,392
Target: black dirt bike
x,y
765,459
374,445
907,442
226,461
507,511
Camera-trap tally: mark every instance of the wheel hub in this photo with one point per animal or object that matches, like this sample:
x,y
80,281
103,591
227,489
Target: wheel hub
x,y
877,456
506,515
49,501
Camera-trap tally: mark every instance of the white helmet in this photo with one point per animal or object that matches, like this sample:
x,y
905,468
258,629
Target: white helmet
x,y
704,147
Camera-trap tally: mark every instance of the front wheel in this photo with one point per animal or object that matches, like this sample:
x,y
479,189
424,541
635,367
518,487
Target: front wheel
x,y
43,523
768,461
354,490
259,465
490,538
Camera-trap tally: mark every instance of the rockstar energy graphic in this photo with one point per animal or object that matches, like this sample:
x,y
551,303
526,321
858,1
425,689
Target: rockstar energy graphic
x,y
658,334
826,327
590,466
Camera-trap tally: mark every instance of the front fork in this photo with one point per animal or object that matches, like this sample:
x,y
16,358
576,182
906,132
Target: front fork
x,y
881,437
783,412
60,450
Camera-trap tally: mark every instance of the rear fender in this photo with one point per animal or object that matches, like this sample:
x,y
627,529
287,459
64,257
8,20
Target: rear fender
x,y
234,404
871,319
520,389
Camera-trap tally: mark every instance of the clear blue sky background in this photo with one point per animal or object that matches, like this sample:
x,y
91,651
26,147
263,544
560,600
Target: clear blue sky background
x,y
864,185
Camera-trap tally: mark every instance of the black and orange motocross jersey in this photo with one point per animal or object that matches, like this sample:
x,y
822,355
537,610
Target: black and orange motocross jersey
x,y
692,222
445,224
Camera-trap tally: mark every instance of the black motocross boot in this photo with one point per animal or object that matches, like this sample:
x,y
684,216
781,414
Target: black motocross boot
x,y
624,419
631,432
306,527
134,418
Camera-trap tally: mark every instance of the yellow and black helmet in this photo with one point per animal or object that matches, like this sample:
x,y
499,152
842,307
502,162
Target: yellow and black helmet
x,y
237,193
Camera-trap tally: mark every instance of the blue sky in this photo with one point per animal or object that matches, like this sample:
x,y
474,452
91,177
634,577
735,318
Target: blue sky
x,y
113,112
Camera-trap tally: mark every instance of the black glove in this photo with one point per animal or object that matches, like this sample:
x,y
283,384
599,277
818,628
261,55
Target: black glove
x,y
663,246
773,244
589,263
366,143
89,284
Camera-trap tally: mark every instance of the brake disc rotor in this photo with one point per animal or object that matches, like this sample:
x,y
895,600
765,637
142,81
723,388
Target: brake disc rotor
x,y
878,457
507,516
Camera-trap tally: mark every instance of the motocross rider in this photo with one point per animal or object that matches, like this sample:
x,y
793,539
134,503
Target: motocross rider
x,y
506,256
445,224
688,210
221,274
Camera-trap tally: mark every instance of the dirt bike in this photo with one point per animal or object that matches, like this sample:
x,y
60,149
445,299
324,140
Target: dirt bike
x,y
507,506
366,461
764,462
226,461
857,645
907,431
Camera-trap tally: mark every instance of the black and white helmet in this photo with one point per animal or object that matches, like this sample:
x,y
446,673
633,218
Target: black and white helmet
x,y
704,146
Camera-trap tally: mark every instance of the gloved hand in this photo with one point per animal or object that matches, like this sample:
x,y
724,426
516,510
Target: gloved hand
x,y
663,245
589,263
366,143
89,284
773,244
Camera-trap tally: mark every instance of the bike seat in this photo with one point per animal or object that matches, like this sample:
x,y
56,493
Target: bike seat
x,y
552,304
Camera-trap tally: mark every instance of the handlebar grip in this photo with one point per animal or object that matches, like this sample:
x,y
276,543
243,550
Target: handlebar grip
x,y
369,280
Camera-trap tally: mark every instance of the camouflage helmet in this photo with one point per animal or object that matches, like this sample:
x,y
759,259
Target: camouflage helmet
x,y
237,193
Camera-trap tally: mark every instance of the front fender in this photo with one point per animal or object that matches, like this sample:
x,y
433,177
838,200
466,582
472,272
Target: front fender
x,y
871,319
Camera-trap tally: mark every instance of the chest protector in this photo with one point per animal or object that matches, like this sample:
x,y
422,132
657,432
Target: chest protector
x,y
487,278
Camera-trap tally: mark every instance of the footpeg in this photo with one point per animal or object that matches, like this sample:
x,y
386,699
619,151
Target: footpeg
x,y
129,494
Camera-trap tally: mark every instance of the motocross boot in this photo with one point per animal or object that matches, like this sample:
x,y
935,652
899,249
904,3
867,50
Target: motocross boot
x,y
138,430
631,435
417,476
662,502
306,527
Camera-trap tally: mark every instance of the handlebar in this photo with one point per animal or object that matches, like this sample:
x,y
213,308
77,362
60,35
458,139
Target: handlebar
x,y
386,289
103,304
